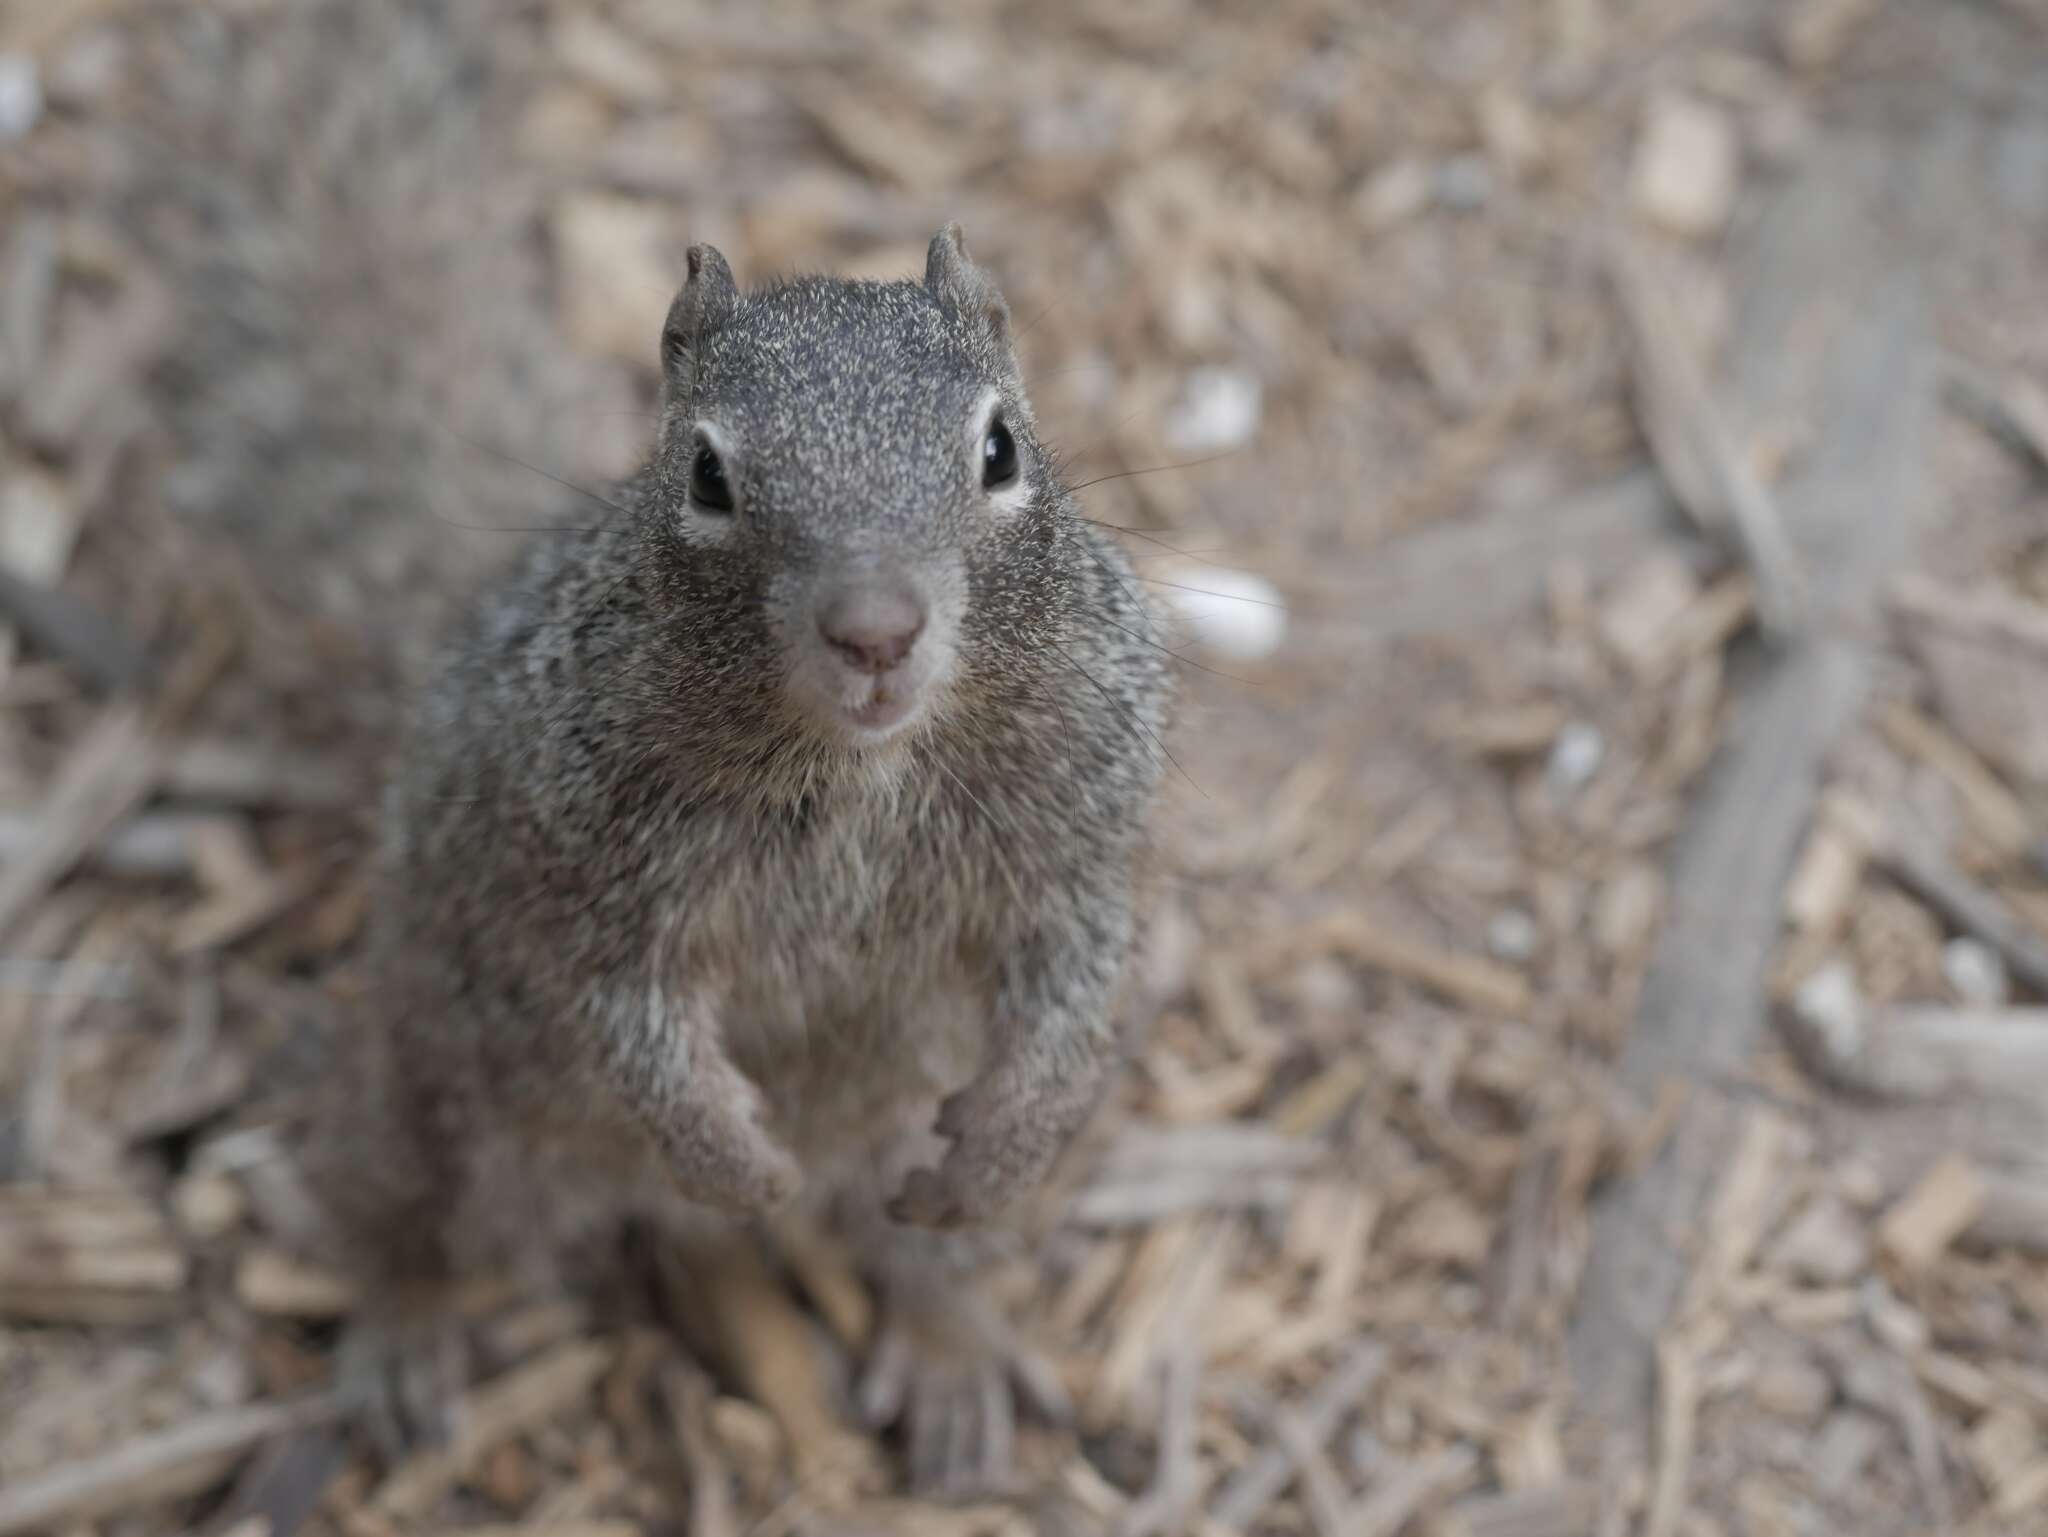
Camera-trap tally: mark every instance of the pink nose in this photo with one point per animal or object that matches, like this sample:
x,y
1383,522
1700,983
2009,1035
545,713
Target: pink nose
x,y
873,628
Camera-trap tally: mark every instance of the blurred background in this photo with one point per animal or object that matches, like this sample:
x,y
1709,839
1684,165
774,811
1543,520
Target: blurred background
x,y
1597,1068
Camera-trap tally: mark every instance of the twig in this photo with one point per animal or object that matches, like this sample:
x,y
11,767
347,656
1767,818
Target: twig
x,y
283,1482
1151,1174
1470,980
1909,1052
74,632
1708,474
1915,864
2014,1214
689,1400
1322,1495
1564,1510
2010,405
239,774
105,777
1390,1507
1262,1480
1176,1480
1677,1410
86,1257
1699,1014
493,1413
150,1466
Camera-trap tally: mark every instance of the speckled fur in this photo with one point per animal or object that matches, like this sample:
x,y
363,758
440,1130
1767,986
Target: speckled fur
x,y
647,937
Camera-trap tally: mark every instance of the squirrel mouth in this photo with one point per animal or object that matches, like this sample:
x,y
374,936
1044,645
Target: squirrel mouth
x,y
887,707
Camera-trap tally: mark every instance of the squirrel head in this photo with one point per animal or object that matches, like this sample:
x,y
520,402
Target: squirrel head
x,y
855,523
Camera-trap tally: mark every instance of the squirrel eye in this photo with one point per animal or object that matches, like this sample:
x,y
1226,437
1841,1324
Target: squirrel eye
x,y
998,456
709,488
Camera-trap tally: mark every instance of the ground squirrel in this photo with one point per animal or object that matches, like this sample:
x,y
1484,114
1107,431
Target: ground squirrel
x,y
788,815
767,841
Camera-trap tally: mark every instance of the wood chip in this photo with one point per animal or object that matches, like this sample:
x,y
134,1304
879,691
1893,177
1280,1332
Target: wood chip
x,y
235,914
2009,403
1677,1427
1262,1479
1916,865
1407,1493
256,775
620,267
76,1256
507,1406
276,1284
1471,980
1993,811
2013,1213
1152,1174
162,1466
1687,164
1924,1053
1814,33
106,775
1641,620
1707,472
1933,1214
1567,1510
1986,650
1830,866
74,632
1176,1481
96,361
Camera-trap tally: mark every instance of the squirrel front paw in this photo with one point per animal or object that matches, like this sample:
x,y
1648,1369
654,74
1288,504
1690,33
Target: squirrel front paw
x,y
719,1149
1007,1129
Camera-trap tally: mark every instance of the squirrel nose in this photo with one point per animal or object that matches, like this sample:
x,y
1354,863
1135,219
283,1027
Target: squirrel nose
x,y
872,627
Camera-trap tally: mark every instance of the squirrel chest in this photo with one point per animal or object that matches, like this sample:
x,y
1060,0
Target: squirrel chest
x,y
856,927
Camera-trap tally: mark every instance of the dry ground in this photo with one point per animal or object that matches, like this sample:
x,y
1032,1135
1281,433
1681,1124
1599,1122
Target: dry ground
x,y
1599,1075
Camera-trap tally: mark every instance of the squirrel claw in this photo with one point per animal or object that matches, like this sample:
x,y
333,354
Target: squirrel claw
x,y
954,1375
404,1382
925,1201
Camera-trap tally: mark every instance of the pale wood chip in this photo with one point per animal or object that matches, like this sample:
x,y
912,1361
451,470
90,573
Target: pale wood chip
x,y
1933,1214
1471,980
84,1256
277,1284
505,1407
1677,1427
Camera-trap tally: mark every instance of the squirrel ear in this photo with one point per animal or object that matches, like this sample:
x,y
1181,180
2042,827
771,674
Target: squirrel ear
x,y
707,296
952,278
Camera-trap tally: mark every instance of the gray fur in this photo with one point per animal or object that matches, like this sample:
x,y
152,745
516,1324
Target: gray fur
x,y
651,934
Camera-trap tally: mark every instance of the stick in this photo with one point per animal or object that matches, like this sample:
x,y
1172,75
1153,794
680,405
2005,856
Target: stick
x,y
73,631
1470,980
106,775
1176,1481
1908,1052
1701,1013
150,1467
502,1408
1389,1508
1915,865
1708,474
1262,1480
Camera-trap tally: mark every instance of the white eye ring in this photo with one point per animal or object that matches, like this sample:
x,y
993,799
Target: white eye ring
x,y
706,522
1014,490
